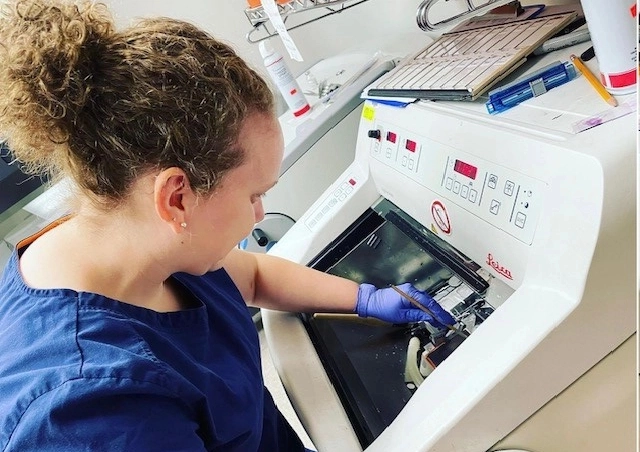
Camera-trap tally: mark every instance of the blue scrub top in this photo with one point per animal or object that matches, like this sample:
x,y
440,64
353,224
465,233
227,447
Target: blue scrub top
x,y
83,372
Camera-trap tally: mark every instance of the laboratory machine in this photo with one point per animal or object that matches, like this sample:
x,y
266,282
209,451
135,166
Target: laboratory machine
x,y
522,225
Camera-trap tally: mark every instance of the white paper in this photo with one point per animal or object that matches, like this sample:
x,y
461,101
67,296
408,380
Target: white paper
x,y
270,7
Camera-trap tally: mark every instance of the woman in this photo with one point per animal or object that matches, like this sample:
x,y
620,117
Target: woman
x,y
124,325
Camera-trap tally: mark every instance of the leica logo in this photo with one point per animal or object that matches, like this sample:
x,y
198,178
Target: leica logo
x,y
497,267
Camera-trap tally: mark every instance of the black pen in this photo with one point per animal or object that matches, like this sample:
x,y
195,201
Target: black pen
x,y
587,54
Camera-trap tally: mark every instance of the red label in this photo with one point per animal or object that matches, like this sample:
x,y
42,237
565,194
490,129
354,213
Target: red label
x,y
621,80
302,111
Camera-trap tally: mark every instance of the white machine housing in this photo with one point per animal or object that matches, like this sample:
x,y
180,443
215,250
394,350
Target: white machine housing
x,y
553,217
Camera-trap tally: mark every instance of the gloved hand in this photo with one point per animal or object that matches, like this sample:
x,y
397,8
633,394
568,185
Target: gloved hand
x,y
388,305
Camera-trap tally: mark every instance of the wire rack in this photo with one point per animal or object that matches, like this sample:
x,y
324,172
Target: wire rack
x,y
263,29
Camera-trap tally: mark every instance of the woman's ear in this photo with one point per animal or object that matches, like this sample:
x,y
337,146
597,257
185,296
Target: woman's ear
x,y
174,200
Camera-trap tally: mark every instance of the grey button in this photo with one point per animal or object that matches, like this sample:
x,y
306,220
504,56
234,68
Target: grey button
x,y
495,207
448,183
508,188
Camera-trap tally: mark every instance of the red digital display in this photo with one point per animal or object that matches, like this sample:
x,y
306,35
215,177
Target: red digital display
x,y
465,169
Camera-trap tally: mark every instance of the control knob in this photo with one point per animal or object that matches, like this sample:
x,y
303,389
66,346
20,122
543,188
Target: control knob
x,y
374,133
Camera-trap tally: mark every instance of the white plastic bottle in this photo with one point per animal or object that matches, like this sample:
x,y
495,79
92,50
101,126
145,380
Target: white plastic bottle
x,y
284,80
613,26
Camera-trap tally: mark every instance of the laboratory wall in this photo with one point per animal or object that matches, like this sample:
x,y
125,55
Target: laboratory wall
x,y
370,25
386,25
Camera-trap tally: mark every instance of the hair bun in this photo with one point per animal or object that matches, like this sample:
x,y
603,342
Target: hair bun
x,y
48,50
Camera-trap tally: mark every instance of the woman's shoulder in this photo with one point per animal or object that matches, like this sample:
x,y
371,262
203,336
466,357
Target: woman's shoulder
x,y
38,327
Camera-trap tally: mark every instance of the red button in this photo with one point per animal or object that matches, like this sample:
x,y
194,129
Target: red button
x,y
391,137
411,146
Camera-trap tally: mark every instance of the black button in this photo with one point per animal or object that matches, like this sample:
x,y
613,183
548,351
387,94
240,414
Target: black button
x,y
374,134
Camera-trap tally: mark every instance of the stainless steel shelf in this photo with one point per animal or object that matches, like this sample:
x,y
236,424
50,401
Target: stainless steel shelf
x,y
260,21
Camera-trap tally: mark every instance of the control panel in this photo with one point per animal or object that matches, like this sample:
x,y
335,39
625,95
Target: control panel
x,y
506,198
342,190
398,147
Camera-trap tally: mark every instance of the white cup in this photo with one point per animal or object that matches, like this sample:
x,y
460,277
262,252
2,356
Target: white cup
x,y
613,25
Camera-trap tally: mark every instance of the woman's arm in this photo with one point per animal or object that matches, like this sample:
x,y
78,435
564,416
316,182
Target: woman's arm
x,y
271,282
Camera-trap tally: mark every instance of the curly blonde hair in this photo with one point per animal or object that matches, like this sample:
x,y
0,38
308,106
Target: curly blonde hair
x,y
79,98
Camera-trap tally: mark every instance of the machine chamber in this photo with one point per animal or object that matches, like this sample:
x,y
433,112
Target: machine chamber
x,y
376,367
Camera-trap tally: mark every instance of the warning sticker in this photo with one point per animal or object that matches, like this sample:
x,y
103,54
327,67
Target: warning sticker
x,y
441,216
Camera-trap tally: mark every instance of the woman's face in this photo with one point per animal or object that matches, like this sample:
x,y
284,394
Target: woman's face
x,y
221,221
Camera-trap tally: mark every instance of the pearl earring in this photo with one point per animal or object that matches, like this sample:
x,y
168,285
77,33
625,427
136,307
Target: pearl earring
x,y
183,224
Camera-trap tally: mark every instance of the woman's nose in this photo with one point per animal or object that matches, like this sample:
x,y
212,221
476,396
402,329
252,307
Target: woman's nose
x,y
258,211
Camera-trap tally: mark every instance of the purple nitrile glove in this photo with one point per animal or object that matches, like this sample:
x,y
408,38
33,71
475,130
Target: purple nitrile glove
x,y
388,305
